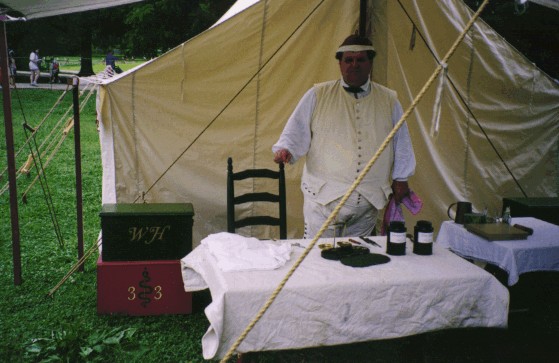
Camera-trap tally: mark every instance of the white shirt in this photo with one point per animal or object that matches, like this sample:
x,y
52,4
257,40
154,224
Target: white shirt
x,y
296,136
33,61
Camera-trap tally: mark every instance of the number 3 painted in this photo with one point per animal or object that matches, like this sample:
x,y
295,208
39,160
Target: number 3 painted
x,y
132,292
158,292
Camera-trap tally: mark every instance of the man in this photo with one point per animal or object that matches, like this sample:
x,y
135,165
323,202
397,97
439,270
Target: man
x,y
110,60
13,67
339,125
55,71
34,67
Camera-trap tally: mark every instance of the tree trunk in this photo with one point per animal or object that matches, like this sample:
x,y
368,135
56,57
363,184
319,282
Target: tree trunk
x,y
86,66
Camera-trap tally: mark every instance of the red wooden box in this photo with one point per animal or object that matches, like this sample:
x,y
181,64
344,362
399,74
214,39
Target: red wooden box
x,y
141,288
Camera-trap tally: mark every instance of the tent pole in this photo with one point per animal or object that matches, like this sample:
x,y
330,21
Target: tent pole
x,y
78,163
7,103
362,18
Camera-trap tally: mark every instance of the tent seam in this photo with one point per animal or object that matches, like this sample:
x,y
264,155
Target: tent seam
x,y
257,99
135,136
468,116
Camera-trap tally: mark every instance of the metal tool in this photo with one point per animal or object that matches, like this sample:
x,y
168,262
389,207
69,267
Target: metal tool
x,y
354,241
370,241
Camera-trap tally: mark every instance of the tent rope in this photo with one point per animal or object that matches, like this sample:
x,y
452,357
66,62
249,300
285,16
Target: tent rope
x,y
68,110
229,103
44,166
22,148
346,196
62,137
467,105
44,184
49,138
76,266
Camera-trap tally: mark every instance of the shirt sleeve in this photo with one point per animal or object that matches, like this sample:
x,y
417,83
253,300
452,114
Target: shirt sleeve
x,y
296,136
404,157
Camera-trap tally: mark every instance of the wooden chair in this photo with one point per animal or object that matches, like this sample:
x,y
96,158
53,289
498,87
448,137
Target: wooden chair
x,y
233,200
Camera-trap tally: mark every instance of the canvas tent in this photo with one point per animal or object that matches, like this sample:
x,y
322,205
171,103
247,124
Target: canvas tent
x,y
32,9
168,126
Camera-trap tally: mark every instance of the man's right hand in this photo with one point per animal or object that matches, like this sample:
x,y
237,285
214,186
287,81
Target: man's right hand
x,y
282,156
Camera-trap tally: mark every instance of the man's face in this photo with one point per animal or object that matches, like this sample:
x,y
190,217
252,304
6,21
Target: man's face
x,y
355,68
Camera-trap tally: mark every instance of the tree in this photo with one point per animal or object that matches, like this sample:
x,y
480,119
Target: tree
x,y
530,28
143,29
159,25
85,36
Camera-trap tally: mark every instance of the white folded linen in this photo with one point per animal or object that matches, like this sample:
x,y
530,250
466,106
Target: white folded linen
x,y
237,253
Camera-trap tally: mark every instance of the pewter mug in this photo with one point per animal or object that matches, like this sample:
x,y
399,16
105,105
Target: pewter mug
x,y
461,209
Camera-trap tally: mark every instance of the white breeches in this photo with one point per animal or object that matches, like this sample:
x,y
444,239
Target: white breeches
x,y
357,217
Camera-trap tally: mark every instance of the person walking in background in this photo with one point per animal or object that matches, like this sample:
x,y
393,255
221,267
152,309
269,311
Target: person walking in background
x,y
12,66
54,71
110,60
34,67
339,125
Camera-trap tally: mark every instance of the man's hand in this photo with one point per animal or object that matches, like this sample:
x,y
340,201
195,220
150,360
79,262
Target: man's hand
x,y
282,156
400,189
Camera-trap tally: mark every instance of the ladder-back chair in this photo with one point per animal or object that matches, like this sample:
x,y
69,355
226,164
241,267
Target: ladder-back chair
x,y
279,198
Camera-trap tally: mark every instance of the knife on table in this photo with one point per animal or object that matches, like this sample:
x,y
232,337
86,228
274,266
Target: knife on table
x,y
369,241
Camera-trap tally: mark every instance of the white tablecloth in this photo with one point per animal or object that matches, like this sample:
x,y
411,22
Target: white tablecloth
x,y
540,252
327,303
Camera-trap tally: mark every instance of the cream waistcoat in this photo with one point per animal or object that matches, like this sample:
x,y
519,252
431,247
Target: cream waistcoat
x,y
346,133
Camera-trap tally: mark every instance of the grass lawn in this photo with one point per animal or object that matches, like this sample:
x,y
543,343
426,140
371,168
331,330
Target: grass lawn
x,y
73,63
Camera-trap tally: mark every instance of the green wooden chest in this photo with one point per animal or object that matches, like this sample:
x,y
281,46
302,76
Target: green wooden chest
x,y
140,232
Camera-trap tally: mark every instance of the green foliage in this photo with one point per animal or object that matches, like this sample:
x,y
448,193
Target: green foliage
x,y
156,26
74,347
143,29
530,28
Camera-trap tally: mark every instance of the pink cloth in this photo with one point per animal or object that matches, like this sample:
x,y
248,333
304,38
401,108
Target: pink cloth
x,y
393,211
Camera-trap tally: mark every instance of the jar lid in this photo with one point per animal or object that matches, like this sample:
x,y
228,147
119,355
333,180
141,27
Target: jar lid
x,y
423,223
